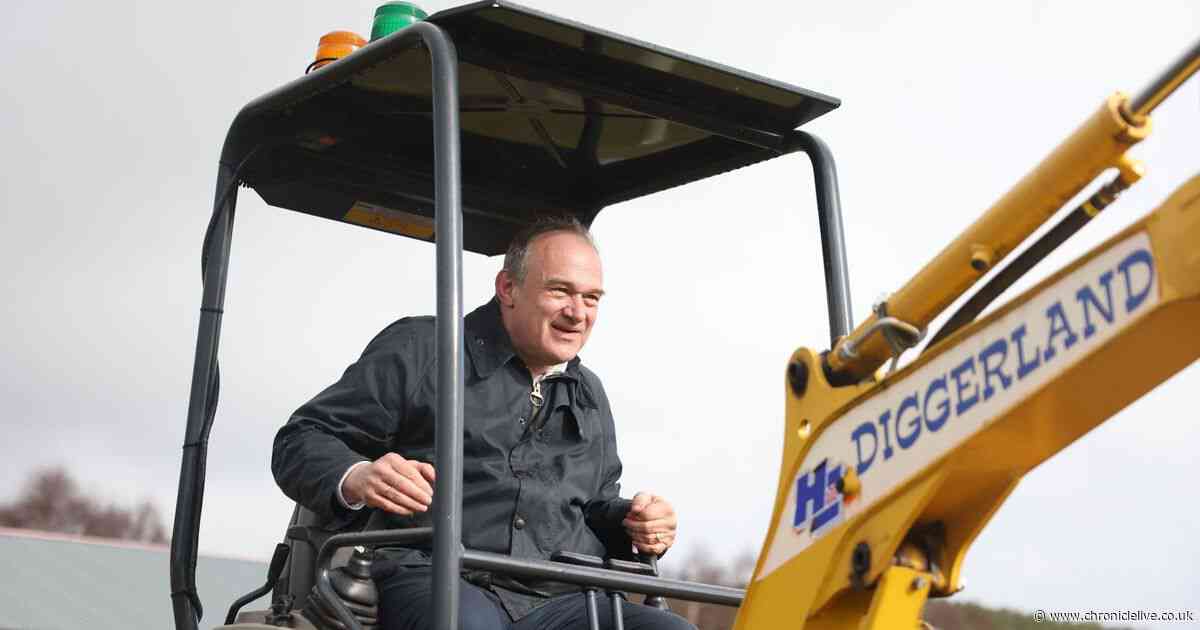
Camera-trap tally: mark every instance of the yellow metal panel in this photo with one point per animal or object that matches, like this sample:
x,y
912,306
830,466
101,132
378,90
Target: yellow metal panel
x,y
805,576
898,600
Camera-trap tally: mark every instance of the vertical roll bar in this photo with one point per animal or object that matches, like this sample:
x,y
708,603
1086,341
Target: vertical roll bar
x,y
447,545
188,503
833,239
448,441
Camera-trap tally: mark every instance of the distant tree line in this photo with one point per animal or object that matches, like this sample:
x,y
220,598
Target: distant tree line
x,y
945,615
52,501
702,566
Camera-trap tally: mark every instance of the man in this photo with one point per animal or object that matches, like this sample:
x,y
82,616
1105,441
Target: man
x,y
540,469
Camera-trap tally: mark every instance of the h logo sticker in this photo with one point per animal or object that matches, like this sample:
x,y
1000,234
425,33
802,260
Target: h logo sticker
x,y
818,502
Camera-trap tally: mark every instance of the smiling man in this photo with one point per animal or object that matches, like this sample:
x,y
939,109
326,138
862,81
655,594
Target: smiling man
x,y
541,470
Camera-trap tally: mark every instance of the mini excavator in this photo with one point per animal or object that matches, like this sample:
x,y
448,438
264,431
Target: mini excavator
x,y
462,127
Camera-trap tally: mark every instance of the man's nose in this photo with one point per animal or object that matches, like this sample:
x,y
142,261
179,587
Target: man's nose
x,y
575,308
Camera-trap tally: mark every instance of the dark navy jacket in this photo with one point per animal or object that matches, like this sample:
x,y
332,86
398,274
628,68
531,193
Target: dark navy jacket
x,y
536,480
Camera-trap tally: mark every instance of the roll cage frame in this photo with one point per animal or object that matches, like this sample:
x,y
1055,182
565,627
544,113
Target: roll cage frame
x,y
449,556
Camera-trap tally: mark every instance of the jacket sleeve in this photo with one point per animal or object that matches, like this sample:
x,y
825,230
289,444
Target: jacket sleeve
x,y
607,509
353,420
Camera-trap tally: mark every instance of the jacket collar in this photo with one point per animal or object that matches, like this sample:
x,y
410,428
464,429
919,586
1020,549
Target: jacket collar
x,y
487,342
490,347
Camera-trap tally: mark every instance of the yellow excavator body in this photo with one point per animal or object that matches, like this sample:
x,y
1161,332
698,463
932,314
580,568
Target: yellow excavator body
x,y
885,484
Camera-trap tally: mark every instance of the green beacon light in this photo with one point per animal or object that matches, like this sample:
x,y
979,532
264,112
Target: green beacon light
x,y
393,16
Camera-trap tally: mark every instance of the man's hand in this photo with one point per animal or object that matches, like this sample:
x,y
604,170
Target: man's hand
x,y
651,523
391,483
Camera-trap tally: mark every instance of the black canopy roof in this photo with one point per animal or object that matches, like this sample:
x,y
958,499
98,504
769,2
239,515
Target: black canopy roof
x,y
556,117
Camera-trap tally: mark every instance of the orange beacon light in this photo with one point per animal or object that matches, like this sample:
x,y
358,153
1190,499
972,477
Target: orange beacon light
x,y
333,46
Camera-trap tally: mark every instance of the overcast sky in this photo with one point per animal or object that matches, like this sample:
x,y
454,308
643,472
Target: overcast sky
x,y
112,118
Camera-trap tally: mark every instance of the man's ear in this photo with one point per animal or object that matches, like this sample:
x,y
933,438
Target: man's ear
x,y
505,286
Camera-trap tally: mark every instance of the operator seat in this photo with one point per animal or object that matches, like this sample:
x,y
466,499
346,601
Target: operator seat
x,y
306,533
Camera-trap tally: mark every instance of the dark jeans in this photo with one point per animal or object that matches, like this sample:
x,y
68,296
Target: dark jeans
x,y
406,603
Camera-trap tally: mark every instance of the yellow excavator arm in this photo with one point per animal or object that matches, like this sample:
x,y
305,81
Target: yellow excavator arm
x,y
886,480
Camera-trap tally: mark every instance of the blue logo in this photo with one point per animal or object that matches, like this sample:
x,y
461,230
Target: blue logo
x,y
819,505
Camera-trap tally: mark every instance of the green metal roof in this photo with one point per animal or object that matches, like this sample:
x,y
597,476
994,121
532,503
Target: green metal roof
x,y
54,582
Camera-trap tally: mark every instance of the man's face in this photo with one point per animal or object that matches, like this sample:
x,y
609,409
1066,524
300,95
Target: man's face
x,y
550,314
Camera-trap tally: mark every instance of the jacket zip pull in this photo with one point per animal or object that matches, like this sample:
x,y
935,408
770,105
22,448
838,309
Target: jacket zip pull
x,y
535,396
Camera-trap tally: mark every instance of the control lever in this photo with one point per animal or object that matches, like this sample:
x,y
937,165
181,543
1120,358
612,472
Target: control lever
x,y
655,601
589,592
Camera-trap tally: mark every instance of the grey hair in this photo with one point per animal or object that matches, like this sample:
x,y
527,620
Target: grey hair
x,y
516,259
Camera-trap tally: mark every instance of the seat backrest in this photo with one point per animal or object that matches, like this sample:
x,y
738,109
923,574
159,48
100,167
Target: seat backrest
x,y
305,535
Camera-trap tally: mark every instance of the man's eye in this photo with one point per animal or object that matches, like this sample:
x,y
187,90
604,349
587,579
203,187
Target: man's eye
x,y
591,300
558,291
